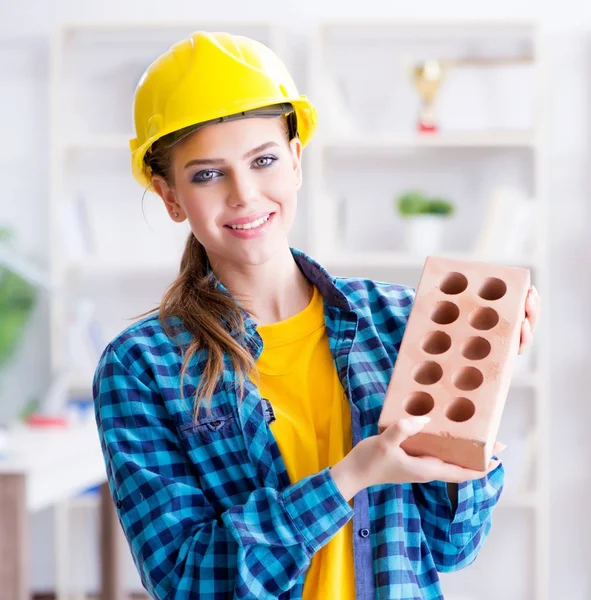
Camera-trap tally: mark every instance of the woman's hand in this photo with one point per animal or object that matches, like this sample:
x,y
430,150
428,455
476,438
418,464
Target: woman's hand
x,y
379,459
532,315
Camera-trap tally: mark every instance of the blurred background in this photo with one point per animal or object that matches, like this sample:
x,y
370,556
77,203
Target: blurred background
x,y
454,128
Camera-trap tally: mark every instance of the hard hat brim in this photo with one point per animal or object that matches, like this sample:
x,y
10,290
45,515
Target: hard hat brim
x,y
275,110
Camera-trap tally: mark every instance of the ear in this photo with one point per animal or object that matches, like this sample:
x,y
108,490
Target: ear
x,y
296,153
166,192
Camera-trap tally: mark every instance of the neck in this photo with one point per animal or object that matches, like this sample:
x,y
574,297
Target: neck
x,y
270,292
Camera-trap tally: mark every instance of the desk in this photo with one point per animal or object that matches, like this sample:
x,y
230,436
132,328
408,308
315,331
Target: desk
x,y
38,469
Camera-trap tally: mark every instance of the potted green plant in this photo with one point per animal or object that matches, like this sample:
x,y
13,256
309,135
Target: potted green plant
x,y
424,219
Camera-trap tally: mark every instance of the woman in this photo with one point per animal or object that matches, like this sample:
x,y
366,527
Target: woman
x,y
239,424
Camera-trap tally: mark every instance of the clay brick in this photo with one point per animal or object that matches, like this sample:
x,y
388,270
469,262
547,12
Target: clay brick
x,y
456,358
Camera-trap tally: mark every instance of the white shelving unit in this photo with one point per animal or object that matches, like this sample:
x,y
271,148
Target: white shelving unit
x,y
493,130
119,249
396,141
376,258
352,173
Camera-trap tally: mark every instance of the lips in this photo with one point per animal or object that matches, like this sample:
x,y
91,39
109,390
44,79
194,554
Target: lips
x,y
248,219
253,229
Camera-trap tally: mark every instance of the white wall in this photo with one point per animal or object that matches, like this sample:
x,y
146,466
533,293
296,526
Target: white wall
x,y
24,31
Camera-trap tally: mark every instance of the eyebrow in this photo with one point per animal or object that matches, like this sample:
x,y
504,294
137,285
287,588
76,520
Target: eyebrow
x,y
217,161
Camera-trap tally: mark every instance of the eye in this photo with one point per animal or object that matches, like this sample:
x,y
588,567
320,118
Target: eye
x,y
207,175
265,161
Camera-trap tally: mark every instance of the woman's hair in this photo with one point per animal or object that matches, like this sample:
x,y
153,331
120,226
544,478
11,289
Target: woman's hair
x,y
206,312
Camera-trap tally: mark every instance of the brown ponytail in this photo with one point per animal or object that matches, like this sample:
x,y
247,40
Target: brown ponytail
x,y
207,313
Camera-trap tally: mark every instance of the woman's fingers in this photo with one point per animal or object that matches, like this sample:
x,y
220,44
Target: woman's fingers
x,y
533,307
396,433
526,336
532,315
427,468
455,474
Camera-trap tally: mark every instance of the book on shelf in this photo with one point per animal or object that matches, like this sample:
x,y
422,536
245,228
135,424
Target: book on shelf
x,y
78,235
508,223
85,342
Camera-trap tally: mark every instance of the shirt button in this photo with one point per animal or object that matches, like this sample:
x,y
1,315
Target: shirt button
x,y
364,532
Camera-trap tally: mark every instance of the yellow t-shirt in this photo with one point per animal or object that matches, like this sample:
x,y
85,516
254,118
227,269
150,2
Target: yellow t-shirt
x,y
312,427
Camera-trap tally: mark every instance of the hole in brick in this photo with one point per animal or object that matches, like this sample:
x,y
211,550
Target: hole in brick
x,y
492,289
460,410
445,313
484,318
476,348
468,378
453,283
419,404
428,373
436,342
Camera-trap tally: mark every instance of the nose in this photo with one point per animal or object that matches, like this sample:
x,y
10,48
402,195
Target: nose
x,y
243,190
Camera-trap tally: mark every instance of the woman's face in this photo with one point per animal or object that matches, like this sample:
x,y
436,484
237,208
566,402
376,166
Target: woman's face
x,y
237,184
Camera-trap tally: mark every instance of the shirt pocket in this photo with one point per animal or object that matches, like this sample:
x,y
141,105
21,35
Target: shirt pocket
x,y
219,424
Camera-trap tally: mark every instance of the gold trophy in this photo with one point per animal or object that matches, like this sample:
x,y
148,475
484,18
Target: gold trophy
x,y
427,77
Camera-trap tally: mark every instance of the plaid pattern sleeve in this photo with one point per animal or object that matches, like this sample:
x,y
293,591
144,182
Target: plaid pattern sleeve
x,y
455,539
181,547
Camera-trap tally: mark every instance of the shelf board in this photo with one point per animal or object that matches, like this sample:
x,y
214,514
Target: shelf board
x,y
103,266
364,143
84,501
109,27
95,141
80,385
381,259
430,26
521,500
404,259
491,139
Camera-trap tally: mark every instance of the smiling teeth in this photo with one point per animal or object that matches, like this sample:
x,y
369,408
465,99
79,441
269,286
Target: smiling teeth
x,y
252,225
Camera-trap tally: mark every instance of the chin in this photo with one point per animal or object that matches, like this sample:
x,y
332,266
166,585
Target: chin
x,y
258,252
259,256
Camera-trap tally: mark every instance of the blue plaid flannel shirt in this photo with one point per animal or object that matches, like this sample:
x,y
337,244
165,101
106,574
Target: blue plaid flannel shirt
x,y
207,506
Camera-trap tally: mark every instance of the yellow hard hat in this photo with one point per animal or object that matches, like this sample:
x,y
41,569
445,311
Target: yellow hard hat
x,y
205,79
